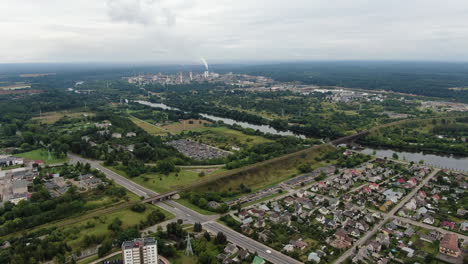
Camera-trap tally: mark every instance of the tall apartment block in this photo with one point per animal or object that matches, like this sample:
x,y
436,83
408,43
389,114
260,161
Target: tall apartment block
x,y
140,251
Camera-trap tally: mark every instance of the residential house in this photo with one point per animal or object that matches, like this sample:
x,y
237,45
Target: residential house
x,y
342,240
313,257
258,260
231,249
449,245
131,134
431,236
116,135
428,219
299,244
288,248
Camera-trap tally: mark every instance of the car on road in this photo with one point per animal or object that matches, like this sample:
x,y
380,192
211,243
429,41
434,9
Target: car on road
x,y
268,251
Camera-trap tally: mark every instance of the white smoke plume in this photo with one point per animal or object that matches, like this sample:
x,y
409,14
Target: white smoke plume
x,y
204,62
144,12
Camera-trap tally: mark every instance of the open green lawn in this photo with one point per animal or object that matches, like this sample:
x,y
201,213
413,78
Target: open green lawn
x,y
267,173
41,154
150,128
224,137
196,243
98,226
164,183
182,259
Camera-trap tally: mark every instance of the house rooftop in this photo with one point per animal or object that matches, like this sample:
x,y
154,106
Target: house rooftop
x,y
450,241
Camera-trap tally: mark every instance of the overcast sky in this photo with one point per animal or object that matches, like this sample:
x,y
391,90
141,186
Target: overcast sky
x,y
232,30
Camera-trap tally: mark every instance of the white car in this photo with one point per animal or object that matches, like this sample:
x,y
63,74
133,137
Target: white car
x,y
268,251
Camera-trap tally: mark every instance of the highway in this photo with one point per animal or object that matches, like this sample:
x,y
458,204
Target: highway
x,y
121,180
190,216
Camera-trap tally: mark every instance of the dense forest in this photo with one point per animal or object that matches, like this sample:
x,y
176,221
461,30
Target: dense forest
x,y
421,78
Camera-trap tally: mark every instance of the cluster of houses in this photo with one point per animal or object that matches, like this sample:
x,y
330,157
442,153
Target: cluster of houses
x,y
401,242
346,180
57,185
234,254
431,204
386,187
347,96
344,222
198,151
104,130
16,184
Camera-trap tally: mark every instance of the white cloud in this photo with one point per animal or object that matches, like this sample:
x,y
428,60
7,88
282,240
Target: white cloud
x,y
225,30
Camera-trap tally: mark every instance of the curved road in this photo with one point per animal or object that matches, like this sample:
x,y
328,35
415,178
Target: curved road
x,y
191,216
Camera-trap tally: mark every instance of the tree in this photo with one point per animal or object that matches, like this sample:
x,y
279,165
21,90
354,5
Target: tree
x,y
197,227
87,167
115,225
166,166
207,236
105,247
206,258
220,239
304,167
394,155
139,208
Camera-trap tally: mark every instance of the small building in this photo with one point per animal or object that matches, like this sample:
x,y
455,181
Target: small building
x,y
313,257
104,124
116,135
17,197
20,186
131,134
258,260
213,204
231,249
449,245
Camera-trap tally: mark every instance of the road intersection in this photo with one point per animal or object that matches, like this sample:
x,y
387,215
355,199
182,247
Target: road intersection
x,y
190,216
210,224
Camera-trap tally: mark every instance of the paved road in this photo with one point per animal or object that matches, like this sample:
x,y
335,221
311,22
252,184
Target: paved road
x,y
250,244
191,216
121,180
387,217
423,225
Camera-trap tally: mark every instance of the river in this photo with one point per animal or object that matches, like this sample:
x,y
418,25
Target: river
x,y
440,161
229,121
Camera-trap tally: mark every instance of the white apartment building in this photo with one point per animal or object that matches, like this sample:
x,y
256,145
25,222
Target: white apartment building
x,y
140,251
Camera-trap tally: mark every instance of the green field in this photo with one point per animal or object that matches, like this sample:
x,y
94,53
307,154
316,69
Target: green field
x,y
151,129
52,117
98,226
41,154
224,137
163,183
184,125
266,173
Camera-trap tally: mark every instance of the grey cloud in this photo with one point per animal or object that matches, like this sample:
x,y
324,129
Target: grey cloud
x,y
144,12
